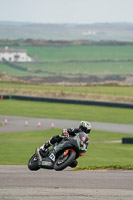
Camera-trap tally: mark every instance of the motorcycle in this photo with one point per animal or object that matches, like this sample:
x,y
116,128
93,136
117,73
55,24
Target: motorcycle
x,y
61,155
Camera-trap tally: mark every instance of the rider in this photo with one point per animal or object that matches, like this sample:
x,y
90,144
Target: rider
x,y
84,126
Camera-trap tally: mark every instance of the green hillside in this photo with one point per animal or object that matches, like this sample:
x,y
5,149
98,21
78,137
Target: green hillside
x,y
74,61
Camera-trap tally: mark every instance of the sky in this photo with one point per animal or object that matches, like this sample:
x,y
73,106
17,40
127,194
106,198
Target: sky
x,y
67,11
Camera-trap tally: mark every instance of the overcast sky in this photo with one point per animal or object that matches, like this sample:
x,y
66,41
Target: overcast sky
x,y
66,11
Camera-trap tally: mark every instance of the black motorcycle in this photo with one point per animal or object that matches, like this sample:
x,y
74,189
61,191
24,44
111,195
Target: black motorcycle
x,y
61,155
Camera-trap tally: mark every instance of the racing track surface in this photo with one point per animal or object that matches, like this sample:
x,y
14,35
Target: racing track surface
x,y
16,124
18,183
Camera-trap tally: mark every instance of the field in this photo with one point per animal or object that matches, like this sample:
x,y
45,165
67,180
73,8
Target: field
x,y
80,53
74,65
74,61
123,91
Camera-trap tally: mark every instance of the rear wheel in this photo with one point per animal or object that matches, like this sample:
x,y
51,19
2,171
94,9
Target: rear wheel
x,y
33,163
64,161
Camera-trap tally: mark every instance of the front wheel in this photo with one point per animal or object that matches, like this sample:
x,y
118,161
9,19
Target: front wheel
x,y
64,161
33,163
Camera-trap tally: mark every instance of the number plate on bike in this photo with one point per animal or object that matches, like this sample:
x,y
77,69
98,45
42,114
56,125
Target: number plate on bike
x,y
52,157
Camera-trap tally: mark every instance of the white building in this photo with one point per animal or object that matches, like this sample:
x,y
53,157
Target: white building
x,y
14,55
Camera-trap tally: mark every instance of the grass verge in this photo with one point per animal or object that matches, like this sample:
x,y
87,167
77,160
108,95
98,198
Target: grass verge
x,y
66,111
17,148
113,92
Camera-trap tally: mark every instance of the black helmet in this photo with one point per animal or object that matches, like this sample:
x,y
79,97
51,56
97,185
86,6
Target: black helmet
x,y
85,126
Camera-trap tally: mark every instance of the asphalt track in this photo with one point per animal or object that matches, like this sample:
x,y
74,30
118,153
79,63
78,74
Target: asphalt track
x,y
19,183
16,124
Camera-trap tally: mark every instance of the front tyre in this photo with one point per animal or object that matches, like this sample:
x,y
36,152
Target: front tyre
x,y
33,163
64,161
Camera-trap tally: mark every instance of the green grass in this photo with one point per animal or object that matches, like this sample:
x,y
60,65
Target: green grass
x,y
107,156
123,91
66,111
17,148
72,69
11,71
71,60
80,52
97,68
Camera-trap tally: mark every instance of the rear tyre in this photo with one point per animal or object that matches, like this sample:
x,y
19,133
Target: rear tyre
x,y
33,163
64,161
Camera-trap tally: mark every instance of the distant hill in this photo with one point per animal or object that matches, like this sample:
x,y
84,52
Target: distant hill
x,y
97,31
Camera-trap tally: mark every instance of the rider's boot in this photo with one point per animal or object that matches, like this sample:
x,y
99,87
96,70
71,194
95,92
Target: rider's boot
x,y
40,152
37,152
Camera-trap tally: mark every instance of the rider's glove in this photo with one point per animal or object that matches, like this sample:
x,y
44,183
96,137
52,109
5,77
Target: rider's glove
x,y
70,130
65,133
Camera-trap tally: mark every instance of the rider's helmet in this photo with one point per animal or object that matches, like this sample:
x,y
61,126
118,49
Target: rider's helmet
x,y
85,126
